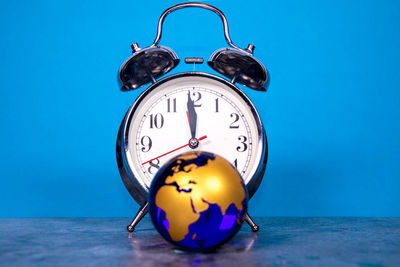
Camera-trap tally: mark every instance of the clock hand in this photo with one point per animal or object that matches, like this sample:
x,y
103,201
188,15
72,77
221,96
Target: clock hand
x,y
192,116
201,138
187,115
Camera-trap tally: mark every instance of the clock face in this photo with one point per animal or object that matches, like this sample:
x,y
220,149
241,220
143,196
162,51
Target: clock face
x,y
192,112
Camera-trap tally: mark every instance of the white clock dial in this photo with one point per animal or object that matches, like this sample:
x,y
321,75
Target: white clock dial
x,y
165,119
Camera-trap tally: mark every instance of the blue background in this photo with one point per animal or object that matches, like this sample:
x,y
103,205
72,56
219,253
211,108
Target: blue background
x,y
331,112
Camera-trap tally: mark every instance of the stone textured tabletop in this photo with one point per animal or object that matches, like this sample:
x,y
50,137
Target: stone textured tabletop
x,y
280,242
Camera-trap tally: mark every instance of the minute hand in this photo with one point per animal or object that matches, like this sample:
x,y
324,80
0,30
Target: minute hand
x,y
192,116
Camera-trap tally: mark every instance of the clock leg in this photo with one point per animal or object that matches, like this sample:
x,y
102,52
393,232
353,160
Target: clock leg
x,y
142,211
250,222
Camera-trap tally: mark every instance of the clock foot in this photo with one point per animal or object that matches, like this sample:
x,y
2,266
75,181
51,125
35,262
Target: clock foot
x,y
254,227
142,211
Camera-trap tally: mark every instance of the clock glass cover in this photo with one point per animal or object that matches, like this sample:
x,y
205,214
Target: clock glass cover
x,y
192,111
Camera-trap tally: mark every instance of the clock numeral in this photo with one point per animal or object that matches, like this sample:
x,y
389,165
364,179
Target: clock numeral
x,y
154,166
156,120
146,143
198,95
236,118
216,105
242,140
235,163
173,108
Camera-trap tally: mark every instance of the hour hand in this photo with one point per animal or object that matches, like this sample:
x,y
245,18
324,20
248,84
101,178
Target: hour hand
x,y
192,116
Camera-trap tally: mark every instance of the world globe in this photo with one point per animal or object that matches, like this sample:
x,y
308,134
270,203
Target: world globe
x,y
197,201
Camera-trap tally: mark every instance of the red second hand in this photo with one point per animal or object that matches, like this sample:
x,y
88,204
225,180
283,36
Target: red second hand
x,y
201,138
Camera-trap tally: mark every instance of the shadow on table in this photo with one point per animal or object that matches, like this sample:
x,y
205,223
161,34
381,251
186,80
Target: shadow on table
x,y
149,248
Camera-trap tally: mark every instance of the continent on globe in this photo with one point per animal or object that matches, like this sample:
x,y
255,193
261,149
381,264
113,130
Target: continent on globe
x,y
198,194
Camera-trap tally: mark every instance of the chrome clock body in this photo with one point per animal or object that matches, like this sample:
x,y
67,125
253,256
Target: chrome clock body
x,y
126,156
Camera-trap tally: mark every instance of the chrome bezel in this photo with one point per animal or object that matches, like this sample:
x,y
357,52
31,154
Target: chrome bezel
x,y
136,187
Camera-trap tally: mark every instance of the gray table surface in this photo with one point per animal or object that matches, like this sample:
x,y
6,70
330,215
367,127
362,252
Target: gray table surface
x,y
280,242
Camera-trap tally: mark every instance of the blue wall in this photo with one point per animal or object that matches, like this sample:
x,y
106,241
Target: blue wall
x,y
331,113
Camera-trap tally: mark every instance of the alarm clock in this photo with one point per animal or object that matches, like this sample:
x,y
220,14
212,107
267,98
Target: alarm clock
x,y
190,111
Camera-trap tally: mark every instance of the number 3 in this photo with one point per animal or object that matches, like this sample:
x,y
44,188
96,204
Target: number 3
x,y
242,140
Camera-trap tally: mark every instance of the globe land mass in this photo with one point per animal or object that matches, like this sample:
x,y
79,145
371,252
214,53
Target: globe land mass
x,y
193,188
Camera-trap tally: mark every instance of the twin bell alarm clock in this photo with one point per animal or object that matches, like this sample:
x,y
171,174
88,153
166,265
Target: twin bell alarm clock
x,y
190,111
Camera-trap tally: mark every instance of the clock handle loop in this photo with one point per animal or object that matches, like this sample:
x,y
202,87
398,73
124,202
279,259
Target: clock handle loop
x,y
199,5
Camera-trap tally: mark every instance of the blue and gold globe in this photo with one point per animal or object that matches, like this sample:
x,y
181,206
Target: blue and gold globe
x,y
197,201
